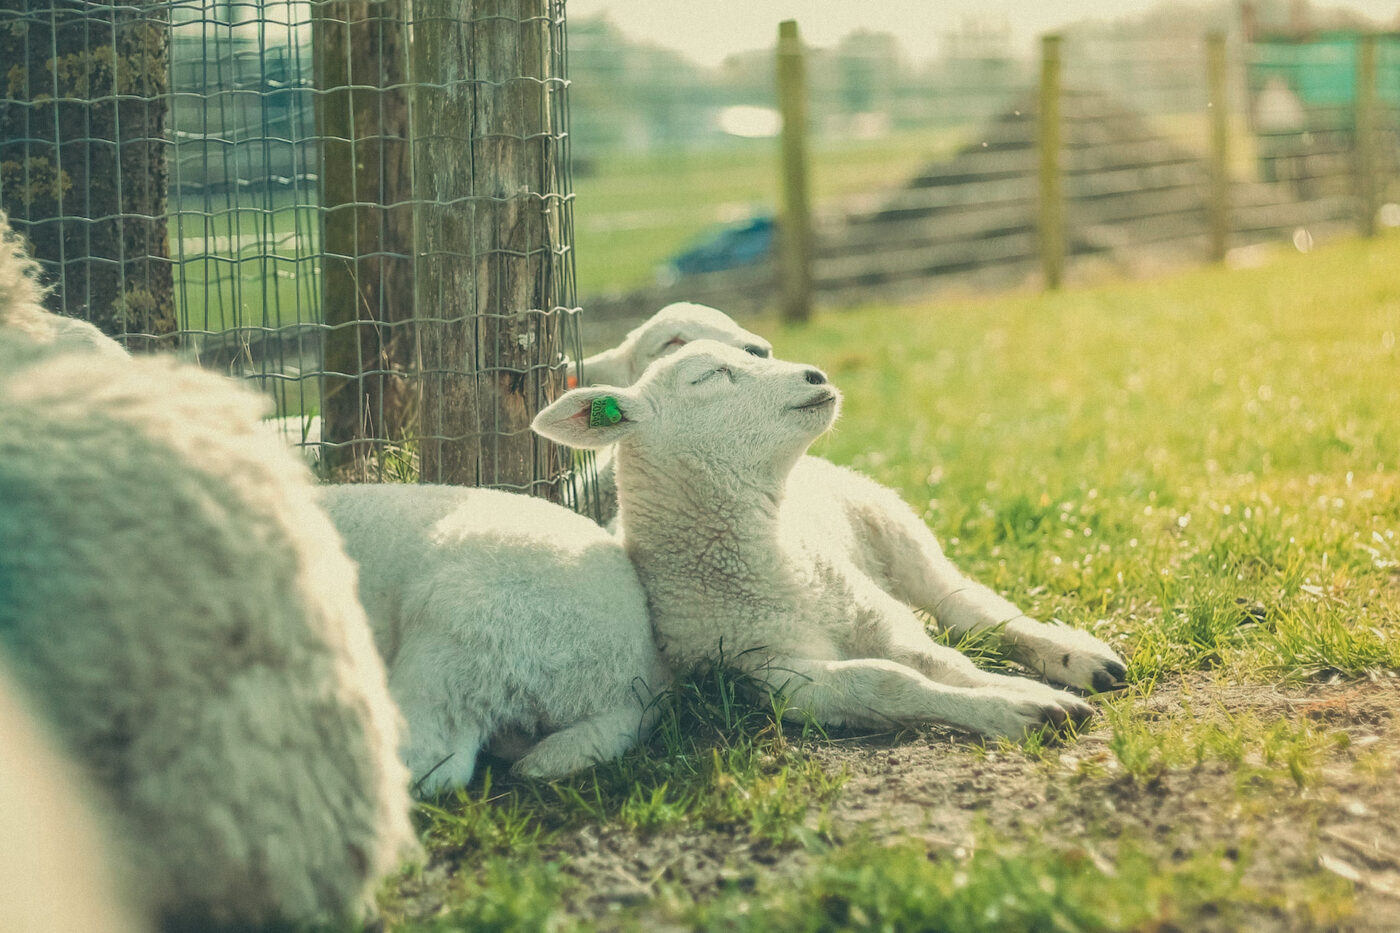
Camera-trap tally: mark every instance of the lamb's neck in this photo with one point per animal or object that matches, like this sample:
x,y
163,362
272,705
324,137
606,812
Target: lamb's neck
x,y
722,529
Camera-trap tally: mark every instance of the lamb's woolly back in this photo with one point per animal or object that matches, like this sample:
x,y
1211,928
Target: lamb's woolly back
x,y
498,612
22,311
56,870
182,612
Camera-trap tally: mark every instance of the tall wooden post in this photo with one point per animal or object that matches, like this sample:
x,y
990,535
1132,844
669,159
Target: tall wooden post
x,y
84,90
1219,146
795,216
1048,131
1366,155
488,235
367,243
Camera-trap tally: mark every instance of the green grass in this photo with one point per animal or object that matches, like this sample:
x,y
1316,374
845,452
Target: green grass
x,y
264,275
899,887
1204,469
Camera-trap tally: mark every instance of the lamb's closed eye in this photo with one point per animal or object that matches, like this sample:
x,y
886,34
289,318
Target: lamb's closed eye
x,y
721,370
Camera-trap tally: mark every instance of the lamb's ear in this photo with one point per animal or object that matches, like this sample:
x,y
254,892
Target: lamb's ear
x,y
609,368
591,418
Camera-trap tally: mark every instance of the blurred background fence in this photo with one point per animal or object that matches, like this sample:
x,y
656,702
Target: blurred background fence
x,y
1179,138
362,205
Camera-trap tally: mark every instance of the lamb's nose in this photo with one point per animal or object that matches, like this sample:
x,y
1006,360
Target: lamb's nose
x,y
816,377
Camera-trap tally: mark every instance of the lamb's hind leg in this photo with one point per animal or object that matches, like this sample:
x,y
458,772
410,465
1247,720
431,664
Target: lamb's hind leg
x,y
878,693
919,574
445,731
588,741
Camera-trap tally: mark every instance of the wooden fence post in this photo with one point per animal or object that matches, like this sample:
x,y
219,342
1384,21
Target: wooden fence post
x,y
367,244
485,239
1052,205
1366,155
1219,146
795,216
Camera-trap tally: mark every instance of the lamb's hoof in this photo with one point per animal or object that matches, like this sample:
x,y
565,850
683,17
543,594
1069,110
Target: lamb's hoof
x,y
1090,665
1078,713
1113,676
1072,709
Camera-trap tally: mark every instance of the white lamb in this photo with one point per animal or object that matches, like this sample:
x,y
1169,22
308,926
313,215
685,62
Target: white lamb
x,y
778,571
502,619
884,528
182,614
663,333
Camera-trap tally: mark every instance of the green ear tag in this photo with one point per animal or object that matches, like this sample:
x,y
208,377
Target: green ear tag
x,y
604,412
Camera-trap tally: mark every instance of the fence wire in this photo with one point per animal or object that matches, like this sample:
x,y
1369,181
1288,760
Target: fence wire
x,y
364,206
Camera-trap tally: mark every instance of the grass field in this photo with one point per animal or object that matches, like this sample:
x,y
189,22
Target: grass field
x,y
1203,469
631,213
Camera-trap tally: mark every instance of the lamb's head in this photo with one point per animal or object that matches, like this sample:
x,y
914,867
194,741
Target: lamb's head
x,y
664,332
707,405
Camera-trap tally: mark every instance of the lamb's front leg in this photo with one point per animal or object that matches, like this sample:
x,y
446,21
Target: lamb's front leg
x,y
942,664
878,693
1056,652
922,575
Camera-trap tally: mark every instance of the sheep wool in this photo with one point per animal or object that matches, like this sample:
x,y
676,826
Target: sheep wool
x,y
55,875
182,614
503,619
21,312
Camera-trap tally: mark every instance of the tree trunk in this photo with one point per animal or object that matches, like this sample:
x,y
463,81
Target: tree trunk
x,y
367,270
488,239
82,157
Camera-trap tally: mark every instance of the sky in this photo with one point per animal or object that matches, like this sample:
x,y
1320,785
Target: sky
x,y
708,30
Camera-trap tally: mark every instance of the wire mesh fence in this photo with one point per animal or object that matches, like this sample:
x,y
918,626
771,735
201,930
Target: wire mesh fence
x,y
367,207
364,206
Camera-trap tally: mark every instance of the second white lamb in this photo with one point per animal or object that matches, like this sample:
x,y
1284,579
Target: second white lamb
x,y
503,619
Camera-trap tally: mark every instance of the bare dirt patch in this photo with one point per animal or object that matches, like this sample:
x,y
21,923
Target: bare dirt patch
x,y
1344,821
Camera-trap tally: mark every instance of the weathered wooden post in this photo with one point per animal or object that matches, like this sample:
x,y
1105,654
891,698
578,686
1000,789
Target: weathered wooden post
x,y
488,235
795,216
1048,130
1365,121
1219,146
83,97
361,49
